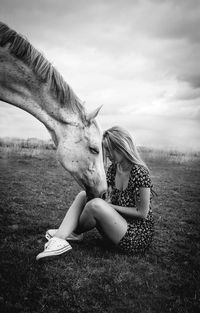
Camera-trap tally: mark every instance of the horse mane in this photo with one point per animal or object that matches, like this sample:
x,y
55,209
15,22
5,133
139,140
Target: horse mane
x,y
44,70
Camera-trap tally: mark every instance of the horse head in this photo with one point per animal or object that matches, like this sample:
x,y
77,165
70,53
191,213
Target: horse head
x,y
79,150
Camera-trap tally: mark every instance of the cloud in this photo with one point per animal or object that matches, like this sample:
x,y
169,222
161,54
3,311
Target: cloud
x,y
168,19
137,58
185,92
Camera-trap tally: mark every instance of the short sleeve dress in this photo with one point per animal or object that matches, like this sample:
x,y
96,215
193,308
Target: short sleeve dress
x,y
140,231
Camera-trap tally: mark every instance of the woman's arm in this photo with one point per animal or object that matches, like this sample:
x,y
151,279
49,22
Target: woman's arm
x,y
142,207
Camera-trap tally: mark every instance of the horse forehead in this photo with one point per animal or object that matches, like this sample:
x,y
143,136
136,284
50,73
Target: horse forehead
x,y
94,133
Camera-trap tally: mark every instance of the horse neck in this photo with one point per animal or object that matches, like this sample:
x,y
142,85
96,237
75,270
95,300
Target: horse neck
x,y
21,87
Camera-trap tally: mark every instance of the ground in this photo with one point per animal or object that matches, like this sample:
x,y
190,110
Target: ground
x,y
35,193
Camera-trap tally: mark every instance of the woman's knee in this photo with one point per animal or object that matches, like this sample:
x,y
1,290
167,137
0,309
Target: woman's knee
x,y
81,195
94,206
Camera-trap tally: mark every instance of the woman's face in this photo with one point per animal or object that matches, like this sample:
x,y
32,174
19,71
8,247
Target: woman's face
x,y
114,156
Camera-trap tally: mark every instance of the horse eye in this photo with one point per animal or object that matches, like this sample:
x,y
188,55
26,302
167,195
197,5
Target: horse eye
x,y
94,150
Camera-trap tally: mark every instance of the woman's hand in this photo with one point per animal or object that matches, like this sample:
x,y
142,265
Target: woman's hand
x,y
142,207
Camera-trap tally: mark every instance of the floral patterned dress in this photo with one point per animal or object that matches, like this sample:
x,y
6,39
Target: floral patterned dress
x,y
140,231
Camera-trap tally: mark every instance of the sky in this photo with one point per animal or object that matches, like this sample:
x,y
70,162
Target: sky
x,y
137,58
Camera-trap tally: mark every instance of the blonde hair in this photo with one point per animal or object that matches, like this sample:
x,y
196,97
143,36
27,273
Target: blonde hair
x,y
117,138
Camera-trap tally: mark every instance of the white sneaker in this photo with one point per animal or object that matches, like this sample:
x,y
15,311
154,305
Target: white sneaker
x,y
73,237
54,247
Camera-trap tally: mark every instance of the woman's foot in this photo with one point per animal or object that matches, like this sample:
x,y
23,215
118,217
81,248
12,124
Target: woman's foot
x,y
72,237
54,247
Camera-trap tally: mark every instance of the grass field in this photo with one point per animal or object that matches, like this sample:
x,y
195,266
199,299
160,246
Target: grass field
x,y
35,193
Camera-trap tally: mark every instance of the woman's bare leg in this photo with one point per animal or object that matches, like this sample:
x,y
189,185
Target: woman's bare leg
x,y
70,221
58,245
98,213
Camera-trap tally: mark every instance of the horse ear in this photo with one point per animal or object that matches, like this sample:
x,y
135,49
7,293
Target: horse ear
x,y
91,116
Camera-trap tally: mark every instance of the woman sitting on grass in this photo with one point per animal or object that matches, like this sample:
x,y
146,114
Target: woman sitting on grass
x,y
125,217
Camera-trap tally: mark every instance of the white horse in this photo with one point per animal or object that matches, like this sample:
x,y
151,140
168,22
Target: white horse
x,y
30,82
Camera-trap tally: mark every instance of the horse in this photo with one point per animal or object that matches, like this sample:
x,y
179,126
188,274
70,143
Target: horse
x,y
31,83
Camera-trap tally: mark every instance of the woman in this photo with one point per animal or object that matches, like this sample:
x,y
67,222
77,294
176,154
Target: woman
x,y
125,217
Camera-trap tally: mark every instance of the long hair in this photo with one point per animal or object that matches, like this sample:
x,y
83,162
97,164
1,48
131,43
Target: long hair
x,y
117,138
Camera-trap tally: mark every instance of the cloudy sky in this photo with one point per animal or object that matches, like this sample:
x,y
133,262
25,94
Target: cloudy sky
x,y
139,58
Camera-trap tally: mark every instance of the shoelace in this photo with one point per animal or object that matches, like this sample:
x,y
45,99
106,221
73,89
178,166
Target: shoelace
x,y
50,244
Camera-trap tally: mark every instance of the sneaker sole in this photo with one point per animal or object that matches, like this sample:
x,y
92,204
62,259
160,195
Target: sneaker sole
x,y
54,256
